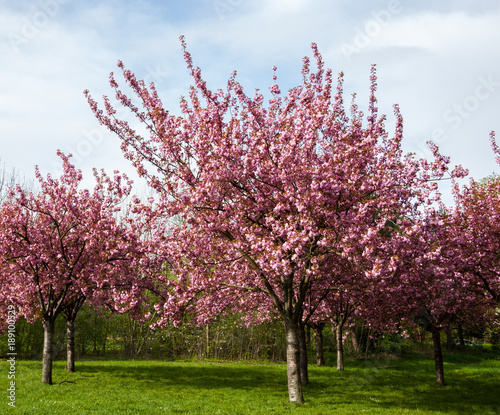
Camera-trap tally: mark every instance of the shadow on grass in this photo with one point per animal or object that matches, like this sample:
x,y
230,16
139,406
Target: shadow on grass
x,y
190,374
378,386
473,384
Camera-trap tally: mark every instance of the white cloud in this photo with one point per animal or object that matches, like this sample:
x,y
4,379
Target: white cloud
x,y
431,57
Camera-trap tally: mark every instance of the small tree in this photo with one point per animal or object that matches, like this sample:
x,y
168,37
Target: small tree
x,y
428,287
476,220
9,180
63,246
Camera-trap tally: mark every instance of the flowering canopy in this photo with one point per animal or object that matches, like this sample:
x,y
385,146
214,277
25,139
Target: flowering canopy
x,y
477,223
64,245
275,199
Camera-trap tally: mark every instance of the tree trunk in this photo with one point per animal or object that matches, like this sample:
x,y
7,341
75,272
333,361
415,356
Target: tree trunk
x,y
293,361
70,345
95,336
355,340
438,355
304,372
449,341
340,348
207,341
368,340
105,340
318,339
48,351
461,335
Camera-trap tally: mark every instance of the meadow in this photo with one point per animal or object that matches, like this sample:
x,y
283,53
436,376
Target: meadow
x,y
381,385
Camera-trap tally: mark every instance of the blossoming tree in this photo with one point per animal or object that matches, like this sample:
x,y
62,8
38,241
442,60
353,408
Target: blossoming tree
x,y
477,228
63,246
273,196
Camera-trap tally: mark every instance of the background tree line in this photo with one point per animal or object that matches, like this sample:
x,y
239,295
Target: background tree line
x,y
111,335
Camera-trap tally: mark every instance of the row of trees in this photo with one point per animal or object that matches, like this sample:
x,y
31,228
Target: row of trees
x,y
291,209
116,336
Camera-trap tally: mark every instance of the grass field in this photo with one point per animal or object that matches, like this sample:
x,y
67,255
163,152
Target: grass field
x,y
371,386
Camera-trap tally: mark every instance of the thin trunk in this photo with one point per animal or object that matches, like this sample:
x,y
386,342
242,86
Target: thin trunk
x,y
293,362
438,355
318,339
304,372
207,340
355,340
48,351
70,345
449,341
83,350
368,340
461,335
340,348
95,335
104,340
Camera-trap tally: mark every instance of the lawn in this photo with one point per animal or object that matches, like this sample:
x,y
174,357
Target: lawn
x,y
371,386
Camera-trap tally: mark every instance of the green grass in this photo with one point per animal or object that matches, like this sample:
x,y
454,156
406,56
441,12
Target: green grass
x,y
371,386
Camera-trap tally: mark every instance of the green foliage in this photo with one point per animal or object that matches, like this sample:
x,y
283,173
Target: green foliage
x,y
226,338
29,339
394,344
493,177
374,386
493,336
117,336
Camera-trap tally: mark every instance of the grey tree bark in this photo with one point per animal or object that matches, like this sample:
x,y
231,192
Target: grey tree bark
x,y
48,350
293,361
304,371
355,340
340,347
70,345
438,355
70,312
318,339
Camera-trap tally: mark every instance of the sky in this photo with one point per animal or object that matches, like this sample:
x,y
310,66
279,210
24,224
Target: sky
x,y
440,61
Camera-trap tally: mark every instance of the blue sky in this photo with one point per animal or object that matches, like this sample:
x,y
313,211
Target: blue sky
x,y
440,61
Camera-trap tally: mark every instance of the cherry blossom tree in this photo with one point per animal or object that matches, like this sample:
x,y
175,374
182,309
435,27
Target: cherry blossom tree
x,y
428,287
477,228
317,327
63,246
272,197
